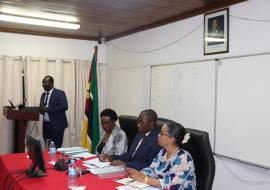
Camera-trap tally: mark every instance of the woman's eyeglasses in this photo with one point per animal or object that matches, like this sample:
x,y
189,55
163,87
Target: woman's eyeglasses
x,y
160,134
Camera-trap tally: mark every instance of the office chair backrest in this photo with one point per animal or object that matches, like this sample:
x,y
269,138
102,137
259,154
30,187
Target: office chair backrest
x,y
129,125
200,149
162,121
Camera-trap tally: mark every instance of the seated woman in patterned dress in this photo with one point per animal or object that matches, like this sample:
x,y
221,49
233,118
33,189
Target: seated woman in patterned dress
x,y
114,139
173,167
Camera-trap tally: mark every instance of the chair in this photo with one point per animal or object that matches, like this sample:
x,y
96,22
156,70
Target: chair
x,y
200,149
162,121
129,125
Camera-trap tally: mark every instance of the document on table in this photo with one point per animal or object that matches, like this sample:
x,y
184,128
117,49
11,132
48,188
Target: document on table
x,y
83,155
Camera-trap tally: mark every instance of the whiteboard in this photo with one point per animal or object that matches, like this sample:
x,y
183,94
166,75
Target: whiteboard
x,y
128,90
243,109
185,93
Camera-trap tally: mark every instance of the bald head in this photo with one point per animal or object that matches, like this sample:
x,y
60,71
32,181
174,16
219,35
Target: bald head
x,y
47,83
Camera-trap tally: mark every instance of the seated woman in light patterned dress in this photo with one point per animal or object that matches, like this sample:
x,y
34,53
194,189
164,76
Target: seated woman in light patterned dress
x,y
173,167
114,139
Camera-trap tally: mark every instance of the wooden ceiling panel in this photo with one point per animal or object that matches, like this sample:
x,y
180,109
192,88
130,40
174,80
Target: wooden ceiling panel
x,y
110,18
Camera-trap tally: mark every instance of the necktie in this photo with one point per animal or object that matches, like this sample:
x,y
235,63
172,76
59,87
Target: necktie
x,y
46,99
143,139
140,144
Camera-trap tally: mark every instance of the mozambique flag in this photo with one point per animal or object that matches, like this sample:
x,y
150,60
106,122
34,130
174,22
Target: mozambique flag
x,y
90,132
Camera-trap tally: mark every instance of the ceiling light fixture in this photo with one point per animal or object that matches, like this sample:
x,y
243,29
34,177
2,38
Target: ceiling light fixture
x,y
40,15
40,22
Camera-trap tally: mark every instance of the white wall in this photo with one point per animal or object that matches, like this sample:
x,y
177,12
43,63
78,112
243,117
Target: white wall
x,y
246,37
39,46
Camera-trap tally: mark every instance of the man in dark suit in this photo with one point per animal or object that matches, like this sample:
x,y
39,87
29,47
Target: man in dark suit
x,y
144,147
53,105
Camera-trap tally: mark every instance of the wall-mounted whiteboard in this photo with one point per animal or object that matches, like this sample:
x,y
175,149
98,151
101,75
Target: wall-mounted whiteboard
x,y
128,90
185,93
243,109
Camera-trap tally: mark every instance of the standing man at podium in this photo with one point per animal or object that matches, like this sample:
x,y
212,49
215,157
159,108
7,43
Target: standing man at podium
x,y
53,105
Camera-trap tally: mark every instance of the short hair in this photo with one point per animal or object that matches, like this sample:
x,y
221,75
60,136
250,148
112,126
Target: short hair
x,y
177,131
151,114
110,113
50,77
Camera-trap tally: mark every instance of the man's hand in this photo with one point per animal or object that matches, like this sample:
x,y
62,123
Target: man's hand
x,y
105,158
42,110
117,163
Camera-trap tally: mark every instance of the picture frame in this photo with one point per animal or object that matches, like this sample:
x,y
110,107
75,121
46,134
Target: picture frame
x,y
216,32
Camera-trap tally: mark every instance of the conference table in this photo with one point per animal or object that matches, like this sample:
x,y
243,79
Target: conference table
x,y
11,176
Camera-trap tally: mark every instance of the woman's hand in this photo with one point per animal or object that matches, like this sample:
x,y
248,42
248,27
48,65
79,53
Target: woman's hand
x,y
135,174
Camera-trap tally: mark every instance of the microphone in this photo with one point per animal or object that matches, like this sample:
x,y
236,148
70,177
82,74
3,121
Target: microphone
x,y
85,172
22,105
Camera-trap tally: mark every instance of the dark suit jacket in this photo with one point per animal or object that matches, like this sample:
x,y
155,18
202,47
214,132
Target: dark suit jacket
x,y
57,108
145,154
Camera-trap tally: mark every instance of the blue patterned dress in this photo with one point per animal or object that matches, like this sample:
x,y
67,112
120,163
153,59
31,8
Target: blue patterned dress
x,y
177,173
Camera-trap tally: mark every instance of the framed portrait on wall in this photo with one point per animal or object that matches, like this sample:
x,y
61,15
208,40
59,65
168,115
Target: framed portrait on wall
x,y
216,32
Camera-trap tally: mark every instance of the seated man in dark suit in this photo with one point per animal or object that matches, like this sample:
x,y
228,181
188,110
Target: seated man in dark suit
x,y
144,147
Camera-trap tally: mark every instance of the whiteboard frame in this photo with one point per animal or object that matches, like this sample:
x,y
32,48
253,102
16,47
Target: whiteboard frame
x,y
217,60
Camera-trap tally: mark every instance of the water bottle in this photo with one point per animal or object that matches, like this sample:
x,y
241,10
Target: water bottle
x,y
52,152
72,182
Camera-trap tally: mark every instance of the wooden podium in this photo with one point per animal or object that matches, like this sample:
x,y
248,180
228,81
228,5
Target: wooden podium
x,y
21,117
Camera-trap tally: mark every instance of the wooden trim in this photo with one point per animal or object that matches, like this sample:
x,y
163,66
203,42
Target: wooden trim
x,y
192,13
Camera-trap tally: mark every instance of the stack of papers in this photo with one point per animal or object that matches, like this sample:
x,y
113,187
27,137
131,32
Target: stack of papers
x,y
72,150
104,169
76,152
108,169
94,163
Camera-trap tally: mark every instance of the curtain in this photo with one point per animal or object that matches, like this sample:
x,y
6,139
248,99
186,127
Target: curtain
x,y
69,75
82,69
11,88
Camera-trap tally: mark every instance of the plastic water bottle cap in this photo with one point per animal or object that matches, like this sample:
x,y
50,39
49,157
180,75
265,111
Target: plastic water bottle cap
x,y
52,142
72,161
